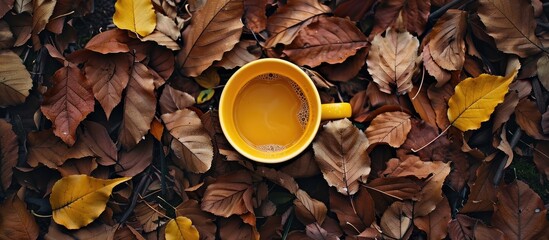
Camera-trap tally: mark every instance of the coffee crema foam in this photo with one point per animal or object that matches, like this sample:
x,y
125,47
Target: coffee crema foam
x,y
302,116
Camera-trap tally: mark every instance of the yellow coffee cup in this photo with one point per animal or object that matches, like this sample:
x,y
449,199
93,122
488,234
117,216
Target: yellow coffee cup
x,y
270,110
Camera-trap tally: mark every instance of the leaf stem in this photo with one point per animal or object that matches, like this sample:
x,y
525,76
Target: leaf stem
x,y
420,84
434,139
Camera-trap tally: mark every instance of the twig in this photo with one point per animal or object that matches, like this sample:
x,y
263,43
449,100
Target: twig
x,y
142,183
439,12
501,167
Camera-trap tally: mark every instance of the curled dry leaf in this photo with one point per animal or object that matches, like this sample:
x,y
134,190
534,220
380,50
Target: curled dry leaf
x,y
16,221
8,153
446,40
340,151
512,25
181,228
139,106
355,212
135,15
442,76
15,80
162,39
229,194
435,224
288,20
309,210
214,29
256,19
519,212
192,144
166,25
392,60
414,14
431,192
528,118
244,52
475,99
439,97
68,102
109,75
42,11
389,127
326,39
172,100
77,200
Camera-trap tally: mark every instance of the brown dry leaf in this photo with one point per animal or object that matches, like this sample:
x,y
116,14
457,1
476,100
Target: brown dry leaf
x,y
42,11
136,160
423,105
46,148
9,149
396,220
139,106
411,165
282,179
109,75
346,70
110,41
340,151
234,228
6,36
302,167
439,97
414,14
20,6
172,100
243,52
202,220
431,192
354,9
328,39
162,61
68,102
309,210
229,194
162,39
288,20
465,227
5,6
392,60
442,76
483,191
353,212
256,19
420,135
436,223
21,27
16,221
545,122
389,127
149,215
519,211
94,136
446,40
543,70
192,144
512,25
315,231
214,29
15,80
541,157
399,188
528,118
167,25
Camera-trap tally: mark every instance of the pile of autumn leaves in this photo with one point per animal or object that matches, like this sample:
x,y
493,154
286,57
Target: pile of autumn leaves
x,y
170,172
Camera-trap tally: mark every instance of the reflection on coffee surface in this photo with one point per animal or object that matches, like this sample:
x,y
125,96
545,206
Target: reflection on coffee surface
x,y
271,112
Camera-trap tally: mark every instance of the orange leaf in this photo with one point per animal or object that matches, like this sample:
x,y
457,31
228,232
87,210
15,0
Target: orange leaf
x,y
229,194
214,29
389,127
16,221
68,102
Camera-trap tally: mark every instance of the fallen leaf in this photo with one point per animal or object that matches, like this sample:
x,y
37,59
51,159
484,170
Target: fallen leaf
x,y
73,166
203,221
528,118
353,212
389,127
414,14
192,144
435,224
483,191
399,188
205,95
46,148
21,27
431,193
397,220
214,29
181,228
411,165
149,215
442,76
243,52
94,136
235,228
139,106
315,231
16,221
543,70
464,227
42,11
135,15
9,155
340,151
309,210
420,135
109,75
475,99
302,167
136,160
512,25
110,41
162,39
256,19
229,194
328,39
172,100
208,79
346,70
446,40
6,36
162,61
392,60
423,105
77,200
92,231
5,7
167,26
519,212
541,157
356,10
15,80
284,25
68,102
21,6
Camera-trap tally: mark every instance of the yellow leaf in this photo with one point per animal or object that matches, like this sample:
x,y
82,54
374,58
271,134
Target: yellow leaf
x,y
137,16
475,99
208,79
77,200
205,95
181,228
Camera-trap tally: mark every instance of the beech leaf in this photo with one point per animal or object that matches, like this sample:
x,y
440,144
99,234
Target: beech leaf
x,y
389,127
435,224
309,210
340,151
244,52
203,221
413,14
68,102
137,16
16,221
512,25
528,118
181,228
77,200
475,99
446,40
392,60
229,194
9,149
172,100
42,11
15,80
326,39
192,146
396,220
214,29
148,215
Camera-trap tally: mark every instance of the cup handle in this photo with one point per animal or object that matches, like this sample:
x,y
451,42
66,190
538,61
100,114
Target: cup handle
x,y
332,111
